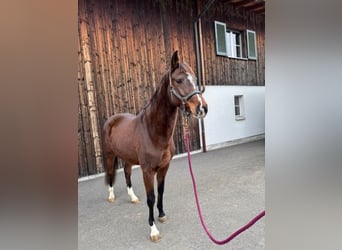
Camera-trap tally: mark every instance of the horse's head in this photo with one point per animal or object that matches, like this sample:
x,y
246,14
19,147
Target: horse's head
x,y
183,88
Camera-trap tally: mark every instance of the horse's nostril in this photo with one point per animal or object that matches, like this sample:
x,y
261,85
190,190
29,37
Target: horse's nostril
x,y
202,110
205,109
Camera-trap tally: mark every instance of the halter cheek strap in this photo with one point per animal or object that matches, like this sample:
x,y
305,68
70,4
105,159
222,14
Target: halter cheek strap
x,y
186,98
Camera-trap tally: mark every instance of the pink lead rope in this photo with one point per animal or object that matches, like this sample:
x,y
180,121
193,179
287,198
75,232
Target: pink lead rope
x,y
236,233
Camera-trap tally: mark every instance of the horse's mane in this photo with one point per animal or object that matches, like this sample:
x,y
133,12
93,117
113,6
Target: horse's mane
x,y
153,100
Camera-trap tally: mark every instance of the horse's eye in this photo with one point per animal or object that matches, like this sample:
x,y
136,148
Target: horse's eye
x,y
179,81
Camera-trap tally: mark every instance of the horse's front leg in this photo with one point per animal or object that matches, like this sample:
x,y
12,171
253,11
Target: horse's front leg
x,y
149,186
161,181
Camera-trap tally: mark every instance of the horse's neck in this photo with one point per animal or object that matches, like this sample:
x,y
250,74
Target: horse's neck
x,y
161,114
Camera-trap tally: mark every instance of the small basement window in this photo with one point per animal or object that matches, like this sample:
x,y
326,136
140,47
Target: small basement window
x,y
239,108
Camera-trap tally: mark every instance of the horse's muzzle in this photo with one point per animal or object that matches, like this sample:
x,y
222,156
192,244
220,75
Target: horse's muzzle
x,y
201,111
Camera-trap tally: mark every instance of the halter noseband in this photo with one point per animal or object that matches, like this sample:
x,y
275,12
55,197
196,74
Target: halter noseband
x,y
183,99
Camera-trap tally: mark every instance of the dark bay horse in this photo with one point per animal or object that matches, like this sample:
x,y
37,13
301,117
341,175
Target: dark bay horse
x,y
147,139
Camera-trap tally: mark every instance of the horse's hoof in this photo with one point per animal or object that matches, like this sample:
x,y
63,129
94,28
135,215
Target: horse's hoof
x,y
111,200
155,238
135,201
162,219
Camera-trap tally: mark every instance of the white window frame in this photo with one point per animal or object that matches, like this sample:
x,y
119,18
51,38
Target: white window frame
x,y
250,44
234,49
239,108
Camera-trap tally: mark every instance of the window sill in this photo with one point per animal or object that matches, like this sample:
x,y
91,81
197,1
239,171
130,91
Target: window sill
x,y
238,58
239,118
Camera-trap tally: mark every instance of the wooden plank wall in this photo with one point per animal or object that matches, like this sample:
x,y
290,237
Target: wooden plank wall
x,y
131,43
220,70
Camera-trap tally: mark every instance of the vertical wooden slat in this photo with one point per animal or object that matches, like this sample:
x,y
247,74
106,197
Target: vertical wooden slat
x,y
82,154
87,163
91,95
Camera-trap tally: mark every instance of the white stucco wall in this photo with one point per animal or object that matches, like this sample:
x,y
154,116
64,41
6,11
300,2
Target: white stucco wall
x,y
220,124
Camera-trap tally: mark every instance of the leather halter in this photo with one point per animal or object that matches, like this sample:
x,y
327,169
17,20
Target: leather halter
x,y
183,99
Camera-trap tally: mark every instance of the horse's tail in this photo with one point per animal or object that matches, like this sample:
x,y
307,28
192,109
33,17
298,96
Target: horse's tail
x,y
111,170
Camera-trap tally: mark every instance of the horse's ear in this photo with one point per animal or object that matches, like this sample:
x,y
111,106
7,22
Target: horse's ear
x,y
174,61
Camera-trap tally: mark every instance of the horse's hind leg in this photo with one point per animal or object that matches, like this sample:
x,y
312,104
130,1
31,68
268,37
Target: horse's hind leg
x,y
111,162
131,194
161,173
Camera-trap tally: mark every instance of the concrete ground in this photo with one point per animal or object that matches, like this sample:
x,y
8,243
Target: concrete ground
x,y
231,187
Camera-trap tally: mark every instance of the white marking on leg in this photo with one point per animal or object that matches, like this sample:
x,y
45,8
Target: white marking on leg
x,y
132,195
111,194
155,236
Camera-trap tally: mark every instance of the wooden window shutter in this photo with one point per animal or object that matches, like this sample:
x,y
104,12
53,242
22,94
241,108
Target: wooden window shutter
x,y
220,38
251,44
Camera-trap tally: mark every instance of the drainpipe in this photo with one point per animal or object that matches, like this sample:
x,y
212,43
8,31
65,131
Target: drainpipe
x,y
200,61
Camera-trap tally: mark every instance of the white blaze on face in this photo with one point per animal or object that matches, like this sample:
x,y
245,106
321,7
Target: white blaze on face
x,y
191,80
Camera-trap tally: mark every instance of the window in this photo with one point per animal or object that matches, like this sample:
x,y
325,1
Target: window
x,y
233,40
239,107
235,44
